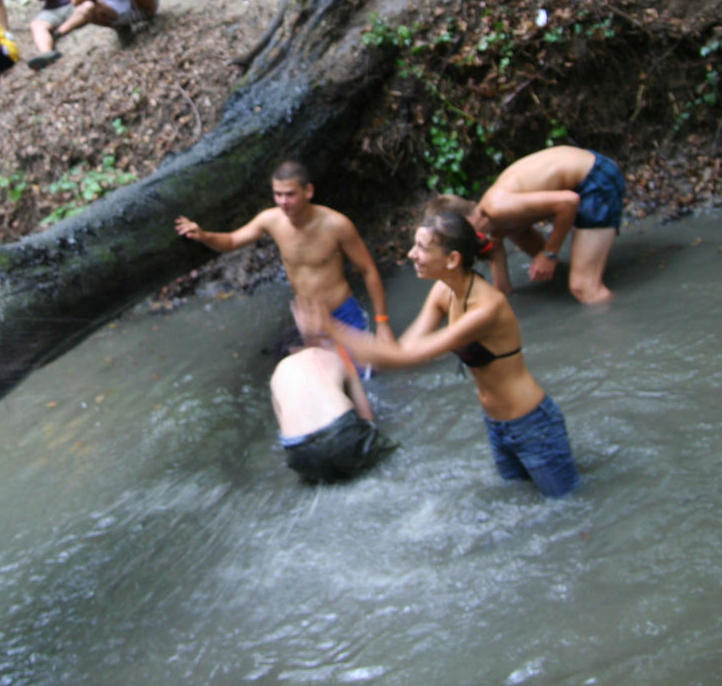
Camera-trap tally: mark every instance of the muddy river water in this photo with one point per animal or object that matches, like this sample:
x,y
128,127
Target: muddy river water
x,y
152,534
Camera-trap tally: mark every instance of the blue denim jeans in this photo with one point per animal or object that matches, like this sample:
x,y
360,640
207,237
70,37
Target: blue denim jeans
x,y
535,447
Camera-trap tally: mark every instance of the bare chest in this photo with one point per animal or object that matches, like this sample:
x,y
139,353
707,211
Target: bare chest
x,y
307,247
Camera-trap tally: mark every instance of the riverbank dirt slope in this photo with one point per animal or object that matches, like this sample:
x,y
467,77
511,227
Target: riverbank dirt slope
x,y
107,112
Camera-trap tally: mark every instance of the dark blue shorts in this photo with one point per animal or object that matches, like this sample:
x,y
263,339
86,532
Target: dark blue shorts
x,y
535,447
601,192
350,312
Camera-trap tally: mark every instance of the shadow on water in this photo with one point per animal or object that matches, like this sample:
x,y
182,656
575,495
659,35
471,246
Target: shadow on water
x,y
152,533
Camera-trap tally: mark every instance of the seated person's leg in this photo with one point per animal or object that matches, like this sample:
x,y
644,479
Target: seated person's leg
x,y
42,35
87,13
42,28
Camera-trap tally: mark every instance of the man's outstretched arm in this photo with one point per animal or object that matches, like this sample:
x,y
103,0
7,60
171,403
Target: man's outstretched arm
x,y
218,240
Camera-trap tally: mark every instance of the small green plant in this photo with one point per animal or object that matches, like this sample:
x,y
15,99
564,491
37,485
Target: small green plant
x,y
555,35
14,185
603,29
557,133
500,41
381,34
707,92
83,186
448,35
712,46
445,156
484,136
119,127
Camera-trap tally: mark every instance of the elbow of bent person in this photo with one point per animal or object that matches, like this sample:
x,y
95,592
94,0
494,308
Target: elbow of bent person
x,y
572,199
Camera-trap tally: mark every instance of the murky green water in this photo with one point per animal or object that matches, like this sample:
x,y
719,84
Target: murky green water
x,y
153,535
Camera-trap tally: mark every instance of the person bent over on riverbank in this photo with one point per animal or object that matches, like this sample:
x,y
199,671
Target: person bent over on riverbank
x,y
526,428
313,241
324,416
574,189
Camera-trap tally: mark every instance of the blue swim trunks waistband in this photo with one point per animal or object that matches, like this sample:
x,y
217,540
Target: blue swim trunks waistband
x,y
350,312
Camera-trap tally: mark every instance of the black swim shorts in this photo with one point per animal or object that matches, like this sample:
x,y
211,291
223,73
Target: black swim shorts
x,y
340,450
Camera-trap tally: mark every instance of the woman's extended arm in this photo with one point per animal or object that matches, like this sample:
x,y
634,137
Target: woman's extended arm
x,y
430,316
407,352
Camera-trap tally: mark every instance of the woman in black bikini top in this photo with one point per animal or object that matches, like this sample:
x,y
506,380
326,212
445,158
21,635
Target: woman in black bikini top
x,y
474,354
480,320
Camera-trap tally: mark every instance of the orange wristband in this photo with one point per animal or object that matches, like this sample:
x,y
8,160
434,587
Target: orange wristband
x,y
381,318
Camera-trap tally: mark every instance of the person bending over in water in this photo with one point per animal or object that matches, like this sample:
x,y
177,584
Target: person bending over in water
x,y
324,416
526,428
313,241
570,187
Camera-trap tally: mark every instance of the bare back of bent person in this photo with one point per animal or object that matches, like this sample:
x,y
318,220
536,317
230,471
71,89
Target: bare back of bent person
x,y
308,391
324,417
560,168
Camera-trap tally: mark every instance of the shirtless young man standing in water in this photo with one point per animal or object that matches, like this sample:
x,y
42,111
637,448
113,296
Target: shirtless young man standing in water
x,y
313,241
572,188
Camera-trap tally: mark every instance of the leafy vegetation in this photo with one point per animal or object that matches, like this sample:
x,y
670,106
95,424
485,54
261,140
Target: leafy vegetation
x,y
488,74
476,85
706,93
80,186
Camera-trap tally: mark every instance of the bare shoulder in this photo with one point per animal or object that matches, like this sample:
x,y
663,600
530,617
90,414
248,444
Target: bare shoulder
x,y
270,218
491,303
333,219
440,295
556,168
312,361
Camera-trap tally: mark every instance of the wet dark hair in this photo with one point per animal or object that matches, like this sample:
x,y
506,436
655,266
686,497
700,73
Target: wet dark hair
x,y
454,232
290,169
